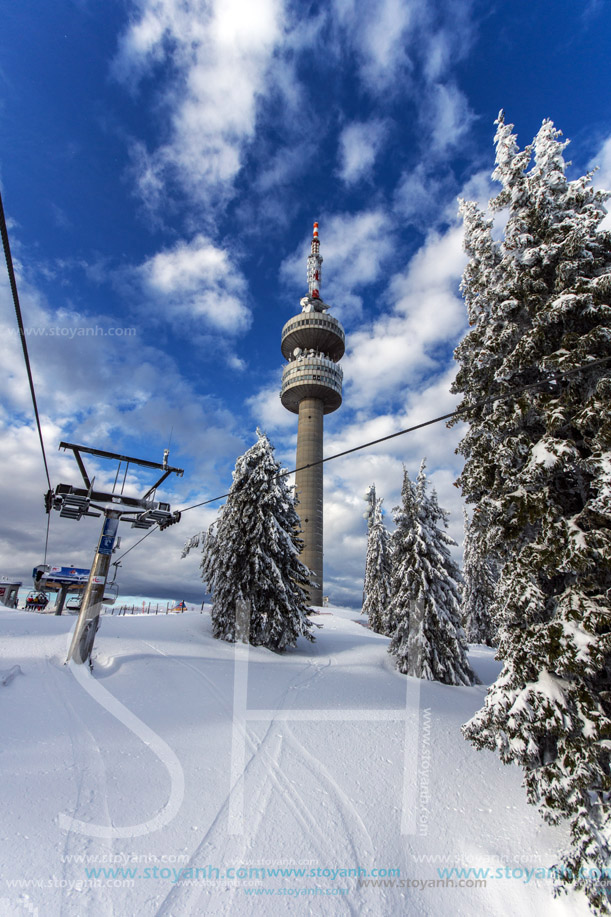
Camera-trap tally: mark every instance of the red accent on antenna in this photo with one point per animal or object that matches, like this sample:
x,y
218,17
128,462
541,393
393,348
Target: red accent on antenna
x,y
315,235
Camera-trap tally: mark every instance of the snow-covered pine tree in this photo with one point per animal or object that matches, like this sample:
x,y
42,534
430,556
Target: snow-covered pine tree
x,y
428,641
208,563
194,542
376,588
480,575
253,557
401,600
537,465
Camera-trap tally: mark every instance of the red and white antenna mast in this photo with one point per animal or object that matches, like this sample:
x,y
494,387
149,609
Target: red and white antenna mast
x,y
314,266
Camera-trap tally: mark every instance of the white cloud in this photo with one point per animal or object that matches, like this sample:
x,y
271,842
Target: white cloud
x,y
380,34
421,195
223,67
446,117
602,178
219,53
400,347
384,40
479,188
284,165
237,363
400,43
359,144
197,278
267,410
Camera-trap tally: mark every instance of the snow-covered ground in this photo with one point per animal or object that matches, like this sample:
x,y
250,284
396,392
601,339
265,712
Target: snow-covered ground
x,y
189,763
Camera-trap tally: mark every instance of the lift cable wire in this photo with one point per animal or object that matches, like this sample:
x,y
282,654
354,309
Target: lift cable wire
x,y
150,532
47,537
427,423
26,356
11,274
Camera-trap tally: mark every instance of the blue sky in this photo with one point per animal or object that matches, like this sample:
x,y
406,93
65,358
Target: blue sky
x,y
162,164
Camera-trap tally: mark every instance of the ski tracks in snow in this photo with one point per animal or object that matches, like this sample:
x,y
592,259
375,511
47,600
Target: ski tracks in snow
x,y
280,773
91,792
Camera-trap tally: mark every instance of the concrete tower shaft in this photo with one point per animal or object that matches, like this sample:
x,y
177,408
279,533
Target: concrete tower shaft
x,y
309,488
313,342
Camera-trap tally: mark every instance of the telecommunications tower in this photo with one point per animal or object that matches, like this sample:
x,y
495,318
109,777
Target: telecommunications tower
x,y
312,341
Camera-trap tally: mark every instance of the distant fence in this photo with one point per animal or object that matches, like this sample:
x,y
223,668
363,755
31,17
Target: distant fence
x,y
144,609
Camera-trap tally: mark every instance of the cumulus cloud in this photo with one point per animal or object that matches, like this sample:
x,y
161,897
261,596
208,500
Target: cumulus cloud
x,y
266,408
359,144
226,70
407,343
403,43
215,57
197,278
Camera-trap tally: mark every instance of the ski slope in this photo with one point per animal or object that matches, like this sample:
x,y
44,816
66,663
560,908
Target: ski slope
x,y
182,775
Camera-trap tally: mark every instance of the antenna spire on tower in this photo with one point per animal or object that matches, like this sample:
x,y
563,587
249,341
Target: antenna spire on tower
x,y
314,266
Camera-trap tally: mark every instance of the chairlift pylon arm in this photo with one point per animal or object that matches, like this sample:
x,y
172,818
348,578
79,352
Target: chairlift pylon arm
x,y
82,469
123,458
159,482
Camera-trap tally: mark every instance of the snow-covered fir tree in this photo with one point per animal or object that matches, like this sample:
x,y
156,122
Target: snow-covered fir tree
x,y
208,564
480,575
251,560
401,599
428,640
376,588
538,467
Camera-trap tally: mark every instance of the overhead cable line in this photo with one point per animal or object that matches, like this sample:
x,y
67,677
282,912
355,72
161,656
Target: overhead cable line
x,y
419,426
26,356
150,532
427,423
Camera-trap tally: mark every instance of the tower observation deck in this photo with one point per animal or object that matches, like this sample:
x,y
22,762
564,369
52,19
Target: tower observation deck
x,y
313,342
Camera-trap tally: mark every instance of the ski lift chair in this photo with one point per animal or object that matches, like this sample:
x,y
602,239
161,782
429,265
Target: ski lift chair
x,y
111,593
37,601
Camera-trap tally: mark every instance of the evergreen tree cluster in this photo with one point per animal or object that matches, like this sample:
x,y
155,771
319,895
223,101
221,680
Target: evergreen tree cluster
x,y
421,588
250,558
538,471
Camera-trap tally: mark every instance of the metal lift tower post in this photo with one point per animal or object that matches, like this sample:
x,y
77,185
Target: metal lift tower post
x,y
76,502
